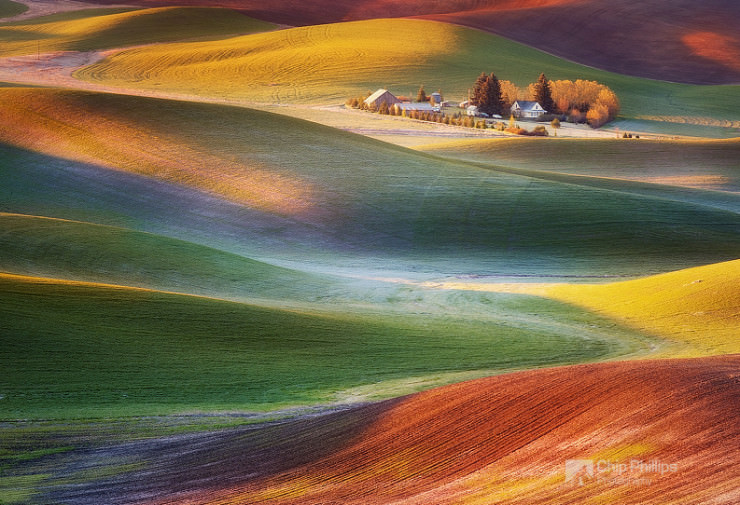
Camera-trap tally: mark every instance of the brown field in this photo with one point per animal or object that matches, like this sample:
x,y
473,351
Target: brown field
x,y
499,440
674,41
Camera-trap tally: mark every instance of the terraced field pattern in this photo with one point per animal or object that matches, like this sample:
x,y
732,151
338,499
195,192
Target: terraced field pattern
x,y
205,299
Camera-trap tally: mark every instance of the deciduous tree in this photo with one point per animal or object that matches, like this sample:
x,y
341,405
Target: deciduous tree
x,y
510,93
421,96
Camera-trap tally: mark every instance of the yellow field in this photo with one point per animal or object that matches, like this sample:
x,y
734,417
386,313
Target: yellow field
x,y
698,307
98,29
300,64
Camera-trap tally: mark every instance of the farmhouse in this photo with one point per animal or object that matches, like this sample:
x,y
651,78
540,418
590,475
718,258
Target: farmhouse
x,y
526,109
380,97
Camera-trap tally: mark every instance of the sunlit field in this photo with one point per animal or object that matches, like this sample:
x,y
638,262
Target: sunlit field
x,y
217,286
108,28
330,63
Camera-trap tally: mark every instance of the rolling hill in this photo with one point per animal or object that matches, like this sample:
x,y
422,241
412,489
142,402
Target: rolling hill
x,y
330,63
9,8
698,306
207,303
694,311
398,210
72,250
700,164
75,350
502,439
696,43
91,29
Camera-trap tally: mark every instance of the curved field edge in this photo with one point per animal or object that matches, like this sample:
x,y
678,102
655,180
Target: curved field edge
x,y
309,201
93,29
503,439
694,312
697,307
80,350
698,164
342,60
72,250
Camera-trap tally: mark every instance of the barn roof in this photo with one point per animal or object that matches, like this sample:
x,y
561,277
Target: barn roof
x,y
377,95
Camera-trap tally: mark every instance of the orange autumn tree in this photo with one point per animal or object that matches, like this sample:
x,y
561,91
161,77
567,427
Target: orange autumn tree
x,y
597,101
510,93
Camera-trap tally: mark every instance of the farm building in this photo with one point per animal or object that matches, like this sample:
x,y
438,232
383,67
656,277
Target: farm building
x,y
436,98
527,109
380,97
418,106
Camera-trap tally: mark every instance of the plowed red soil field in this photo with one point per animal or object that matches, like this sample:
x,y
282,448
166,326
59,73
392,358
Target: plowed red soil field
x,y
663,431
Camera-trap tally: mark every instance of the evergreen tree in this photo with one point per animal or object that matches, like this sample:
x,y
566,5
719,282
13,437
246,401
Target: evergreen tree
x,y
422,96
543,94
487,94
494,102
477,96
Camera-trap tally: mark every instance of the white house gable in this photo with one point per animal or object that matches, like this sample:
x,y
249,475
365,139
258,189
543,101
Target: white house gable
x,y
527,109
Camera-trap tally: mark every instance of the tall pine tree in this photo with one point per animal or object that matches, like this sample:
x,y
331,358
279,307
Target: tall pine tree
x,y
477,96
487,94
543,94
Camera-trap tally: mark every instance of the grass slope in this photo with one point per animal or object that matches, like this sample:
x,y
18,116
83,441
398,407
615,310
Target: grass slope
x,y
699,307
502,440
79,350
9,8
330,63
47,247
691,164
305,197
107,28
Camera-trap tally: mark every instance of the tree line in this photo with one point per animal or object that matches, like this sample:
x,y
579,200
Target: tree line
x,y
578,101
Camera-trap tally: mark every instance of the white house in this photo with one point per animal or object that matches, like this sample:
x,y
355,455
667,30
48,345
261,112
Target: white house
x,y
527,109
380,97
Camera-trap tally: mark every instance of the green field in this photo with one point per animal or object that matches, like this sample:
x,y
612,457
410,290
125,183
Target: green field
x,y
348,59
397,210
72,250
84,351
706,164
10,8
170,267
92,29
